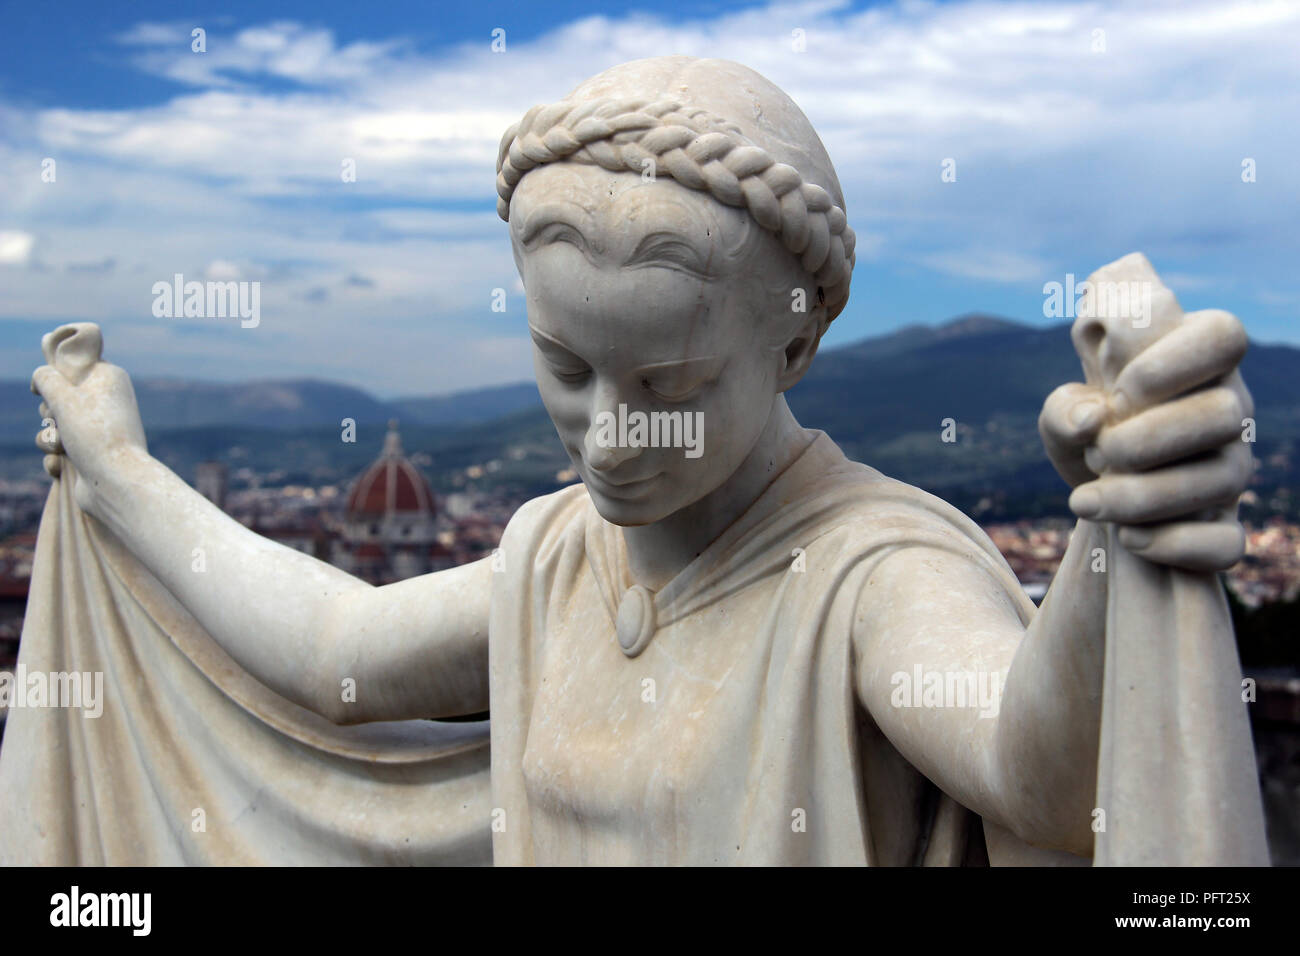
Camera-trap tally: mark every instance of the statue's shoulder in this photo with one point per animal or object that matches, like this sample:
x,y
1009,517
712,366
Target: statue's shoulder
x,y
863,508
871,523
851,492
546,518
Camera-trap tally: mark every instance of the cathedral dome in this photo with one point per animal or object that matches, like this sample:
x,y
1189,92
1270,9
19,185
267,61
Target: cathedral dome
x,y
391,486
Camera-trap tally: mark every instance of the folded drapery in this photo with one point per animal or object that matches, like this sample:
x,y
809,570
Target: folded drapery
x,y
163,750
191,760
1176,778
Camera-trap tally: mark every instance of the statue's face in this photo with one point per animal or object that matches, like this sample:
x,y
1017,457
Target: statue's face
x,y
653,297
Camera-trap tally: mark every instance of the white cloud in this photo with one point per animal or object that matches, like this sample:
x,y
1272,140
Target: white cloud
x,y
155,34
992,265
221,270
15,248
240,174
283,49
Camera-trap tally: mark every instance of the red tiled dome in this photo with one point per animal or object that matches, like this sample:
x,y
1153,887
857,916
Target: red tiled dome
x,y
391,485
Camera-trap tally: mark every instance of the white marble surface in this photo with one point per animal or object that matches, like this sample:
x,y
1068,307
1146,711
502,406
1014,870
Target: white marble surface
x,y
778,592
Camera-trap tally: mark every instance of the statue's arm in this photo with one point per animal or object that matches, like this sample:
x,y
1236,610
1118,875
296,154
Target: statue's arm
x,y
1161,455
1022,750
417,648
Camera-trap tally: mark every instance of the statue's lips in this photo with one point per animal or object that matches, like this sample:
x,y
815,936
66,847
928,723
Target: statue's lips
x,y
618,488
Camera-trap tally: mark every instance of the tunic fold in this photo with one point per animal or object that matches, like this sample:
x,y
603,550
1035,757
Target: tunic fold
x,y
736,735
192,761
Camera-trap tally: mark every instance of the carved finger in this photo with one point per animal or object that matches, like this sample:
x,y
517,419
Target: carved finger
x,y
1208,345
1238,388
49,383
1165,493
1169,432
47,440
1070,420
1190,545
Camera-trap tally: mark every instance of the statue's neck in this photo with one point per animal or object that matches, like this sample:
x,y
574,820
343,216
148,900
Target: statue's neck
x,y
658,552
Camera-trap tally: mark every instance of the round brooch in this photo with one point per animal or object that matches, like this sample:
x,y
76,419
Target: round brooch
x,y
636,620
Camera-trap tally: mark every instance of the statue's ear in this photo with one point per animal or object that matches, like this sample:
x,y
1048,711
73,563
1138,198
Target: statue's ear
x,y
800,349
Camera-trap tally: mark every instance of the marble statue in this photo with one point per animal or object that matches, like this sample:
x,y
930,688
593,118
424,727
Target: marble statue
x,y
733,648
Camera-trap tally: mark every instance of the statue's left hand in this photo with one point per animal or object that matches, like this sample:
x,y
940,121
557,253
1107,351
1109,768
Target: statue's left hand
x,y
1165,452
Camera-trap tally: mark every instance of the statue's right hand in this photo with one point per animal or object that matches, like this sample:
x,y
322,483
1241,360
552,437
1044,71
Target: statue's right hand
x,y
95,422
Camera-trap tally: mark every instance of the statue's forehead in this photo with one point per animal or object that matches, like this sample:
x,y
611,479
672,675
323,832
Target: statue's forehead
x,y
612,199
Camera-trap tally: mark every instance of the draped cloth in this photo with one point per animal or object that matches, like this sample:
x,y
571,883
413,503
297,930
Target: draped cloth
x,y
736,736
1176,776
192,761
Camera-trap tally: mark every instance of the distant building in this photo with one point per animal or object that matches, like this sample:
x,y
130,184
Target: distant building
x,y
390,527
210,480
311,539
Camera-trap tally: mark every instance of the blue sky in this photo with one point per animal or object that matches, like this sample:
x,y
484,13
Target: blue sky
x,y
1081,131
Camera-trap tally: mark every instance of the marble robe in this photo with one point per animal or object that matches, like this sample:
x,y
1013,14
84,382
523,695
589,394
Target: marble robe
x,y
733,738
192,761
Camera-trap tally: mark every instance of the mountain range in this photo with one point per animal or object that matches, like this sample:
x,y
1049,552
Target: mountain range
x,y
883,399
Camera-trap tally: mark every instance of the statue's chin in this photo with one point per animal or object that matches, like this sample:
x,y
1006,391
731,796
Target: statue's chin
x,y
625,514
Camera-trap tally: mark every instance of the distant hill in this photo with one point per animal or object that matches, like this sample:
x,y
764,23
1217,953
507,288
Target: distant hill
x,y
304,403
969,367
465,408
293,403
174,403
883,399
911,337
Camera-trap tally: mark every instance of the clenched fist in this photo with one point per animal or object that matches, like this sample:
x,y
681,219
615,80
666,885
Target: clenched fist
x,y
88,408
1155,442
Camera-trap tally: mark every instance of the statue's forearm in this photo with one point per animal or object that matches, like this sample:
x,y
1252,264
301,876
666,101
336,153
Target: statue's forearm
x,y
1050,719
265,604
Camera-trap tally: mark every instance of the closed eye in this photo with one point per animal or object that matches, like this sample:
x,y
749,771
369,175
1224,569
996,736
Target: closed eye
x,y
555,232
674,392
680,396
663,249
564,364
574,376
680,381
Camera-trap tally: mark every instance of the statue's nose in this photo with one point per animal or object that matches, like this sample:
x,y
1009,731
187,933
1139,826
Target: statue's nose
x,y
605,443
607,457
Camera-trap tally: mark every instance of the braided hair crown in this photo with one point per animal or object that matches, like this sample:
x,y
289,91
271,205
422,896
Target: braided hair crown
x,y
711,125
